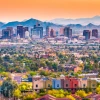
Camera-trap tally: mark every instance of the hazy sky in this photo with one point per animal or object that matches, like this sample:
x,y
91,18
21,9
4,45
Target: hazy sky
x,y
47,9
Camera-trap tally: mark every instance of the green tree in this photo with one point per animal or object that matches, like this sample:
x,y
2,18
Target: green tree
x,y
8,87
32,73
81,93
6,58
33,67
23,87
55,66
17,93
98,89
70,97
44,73
30,96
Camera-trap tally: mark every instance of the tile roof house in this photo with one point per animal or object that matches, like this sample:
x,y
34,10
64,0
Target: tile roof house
x,y
95,97
49,97
17,79
72,68
76,97
89,75
90,96
37,77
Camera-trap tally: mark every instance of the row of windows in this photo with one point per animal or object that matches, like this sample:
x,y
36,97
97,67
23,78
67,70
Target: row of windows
x,y
48,85
84,85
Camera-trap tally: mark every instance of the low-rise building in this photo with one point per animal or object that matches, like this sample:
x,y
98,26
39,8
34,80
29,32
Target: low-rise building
x,y
89,75
38,84
56,83
48,84
82,83
49,97
73,83
91,84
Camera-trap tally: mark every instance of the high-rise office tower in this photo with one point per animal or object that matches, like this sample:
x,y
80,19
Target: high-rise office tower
x,y
68,32
61,31
20,31
11,29
47,31
95,33
25,29
87,34
6,34
52,33
37,31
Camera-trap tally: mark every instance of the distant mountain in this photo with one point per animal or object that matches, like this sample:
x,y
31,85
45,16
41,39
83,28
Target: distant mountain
x,y
1,24
74,24
78,28
83,21
30,23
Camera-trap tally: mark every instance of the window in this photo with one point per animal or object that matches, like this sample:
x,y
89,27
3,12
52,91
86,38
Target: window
x,y
93,85
57,85
66,85
36,85
83,85
35,89
75,85
48,85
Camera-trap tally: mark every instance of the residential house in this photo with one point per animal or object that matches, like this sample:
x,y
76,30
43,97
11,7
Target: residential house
x,y
74,68
18,77
38,84
48,84
90,96
62,76
73,83
49,97
77,69
95,97
56,83
65,84
76,97
82,82
91,84
37,77
89,75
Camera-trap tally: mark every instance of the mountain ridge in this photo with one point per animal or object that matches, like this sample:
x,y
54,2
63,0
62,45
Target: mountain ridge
x,y
83,21
31,22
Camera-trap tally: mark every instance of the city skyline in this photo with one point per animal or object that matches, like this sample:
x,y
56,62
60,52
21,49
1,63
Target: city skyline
x,y
47,9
